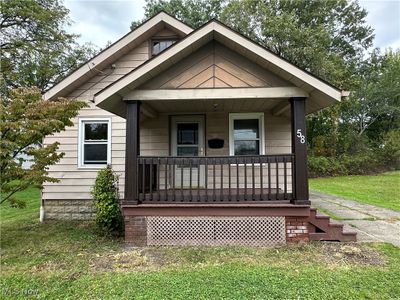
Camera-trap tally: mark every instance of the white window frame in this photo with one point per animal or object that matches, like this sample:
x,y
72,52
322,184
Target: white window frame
x,y
81,134
241,116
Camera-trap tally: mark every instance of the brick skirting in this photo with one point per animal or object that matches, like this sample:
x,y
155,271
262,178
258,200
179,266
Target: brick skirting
x,y
136,231
297,229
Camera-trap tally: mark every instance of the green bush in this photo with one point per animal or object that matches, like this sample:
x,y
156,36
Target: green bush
x,y
389,151
321,166
360,164
105,194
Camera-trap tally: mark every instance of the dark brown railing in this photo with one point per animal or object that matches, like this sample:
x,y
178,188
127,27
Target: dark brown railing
x,y
215,179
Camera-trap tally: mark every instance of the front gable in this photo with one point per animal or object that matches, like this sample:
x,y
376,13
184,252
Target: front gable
x,y
167,71
118,59
102,78
214,66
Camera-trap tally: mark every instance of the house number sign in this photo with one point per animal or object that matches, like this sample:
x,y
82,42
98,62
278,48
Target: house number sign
x,y
301,136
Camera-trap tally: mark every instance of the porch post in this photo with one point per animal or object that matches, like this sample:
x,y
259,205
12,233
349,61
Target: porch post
x,y
132,151
299,149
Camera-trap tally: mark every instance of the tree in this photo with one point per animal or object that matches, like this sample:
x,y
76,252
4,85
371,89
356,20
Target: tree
x,y
36,53
36,50
25,120
192,12
374,107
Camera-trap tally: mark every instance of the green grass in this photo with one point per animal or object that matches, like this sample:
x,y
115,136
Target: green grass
x,y
31,197
381,190
69,260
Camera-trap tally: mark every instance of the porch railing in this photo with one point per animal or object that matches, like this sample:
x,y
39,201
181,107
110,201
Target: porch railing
x,y
215,179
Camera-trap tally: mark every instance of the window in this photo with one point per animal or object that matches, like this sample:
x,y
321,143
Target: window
x,y
246,134
187,139
158,46
94,142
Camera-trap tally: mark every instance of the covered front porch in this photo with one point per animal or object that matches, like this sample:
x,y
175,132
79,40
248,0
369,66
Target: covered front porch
x,y
213,174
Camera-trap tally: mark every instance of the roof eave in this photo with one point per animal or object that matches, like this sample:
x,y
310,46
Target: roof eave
x,y
101,58
330,92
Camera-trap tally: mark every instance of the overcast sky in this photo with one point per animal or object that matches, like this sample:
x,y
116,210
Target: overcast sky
x,y
100,21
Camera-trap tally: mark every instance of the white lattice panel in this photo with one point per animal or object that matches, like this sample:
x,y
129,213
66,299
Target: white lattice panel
x,y
213,231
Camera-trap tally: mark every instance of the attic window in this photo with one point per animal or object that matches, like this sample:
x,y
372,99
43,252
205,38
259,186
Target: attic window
x,y
158,46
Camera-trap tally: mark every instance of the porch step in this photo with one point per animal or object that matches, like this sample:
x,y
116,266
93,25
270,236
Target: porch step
x,y
330,230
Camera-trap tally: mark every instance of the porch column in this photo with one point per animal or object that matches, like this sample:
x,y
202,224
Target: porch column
x,y
299,149
132,151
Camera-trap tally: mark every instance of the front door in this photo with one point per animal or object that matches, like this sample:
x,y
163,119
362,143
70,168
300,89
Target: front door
x,y
187,139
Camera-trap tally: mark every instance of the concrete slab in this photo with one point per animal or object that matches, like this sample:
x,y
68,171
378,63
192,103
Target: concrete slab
x,y
345,213
381,230
374,211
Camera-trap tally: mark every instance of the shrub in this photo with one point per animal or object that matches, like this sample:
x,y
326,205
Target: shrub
x,y
389,151
105,194
321,166
360,164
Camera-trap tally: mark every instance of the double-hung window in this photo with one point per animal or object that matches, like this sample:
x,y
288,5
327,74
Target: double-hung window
x,y
94,142
246,134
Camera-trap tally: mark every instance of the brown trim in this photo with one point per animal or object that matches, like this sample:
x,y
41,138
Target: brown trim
x,y
132,151
217,210
299,149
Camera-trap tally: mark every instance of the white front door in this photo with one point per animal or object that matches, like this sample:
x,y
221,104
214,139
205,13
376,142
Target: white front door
x,y
187,139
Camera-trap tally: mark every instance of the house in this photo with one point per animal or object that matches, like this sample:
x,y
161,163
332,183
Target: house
x,y
207,131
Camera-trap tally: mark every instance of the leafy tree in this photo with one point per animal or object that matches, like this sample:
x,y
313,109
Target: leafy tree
x,y
192,12
36,50
25,120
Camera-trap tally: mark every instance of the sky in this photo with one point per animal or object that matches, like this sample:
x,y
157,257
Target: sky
x,y
101,21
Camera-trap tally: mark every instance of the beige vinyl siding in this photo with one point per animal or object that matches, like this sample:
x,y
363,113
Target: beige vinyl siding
x,y
105,77
76,183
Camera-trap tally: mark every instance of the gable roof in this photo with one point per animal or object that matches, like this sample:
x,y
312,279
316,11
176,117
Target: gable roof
x,y
321,93
116,50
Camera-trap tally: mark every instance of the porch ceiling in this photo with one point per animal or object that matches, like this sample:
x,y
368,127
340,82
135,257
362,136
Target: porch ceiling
x,y
221,105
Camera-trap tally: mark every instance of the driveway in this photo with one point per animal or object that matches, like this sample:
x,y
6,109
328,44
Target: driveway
x,y
372,223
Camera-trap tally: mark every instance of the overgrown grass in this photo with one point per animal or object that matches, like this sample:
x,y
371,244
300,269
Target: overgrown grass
x,y
69,260
381,190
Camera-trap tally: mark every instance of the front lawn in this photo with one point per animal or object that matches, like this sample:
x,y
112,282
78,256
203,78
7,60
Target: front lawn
x,y
69,260
380,190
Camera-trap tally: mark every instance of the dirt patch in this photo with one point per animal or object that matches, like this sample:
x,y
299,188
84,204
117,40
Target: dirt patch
x,y
331,255
49,267
351,254
125,261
